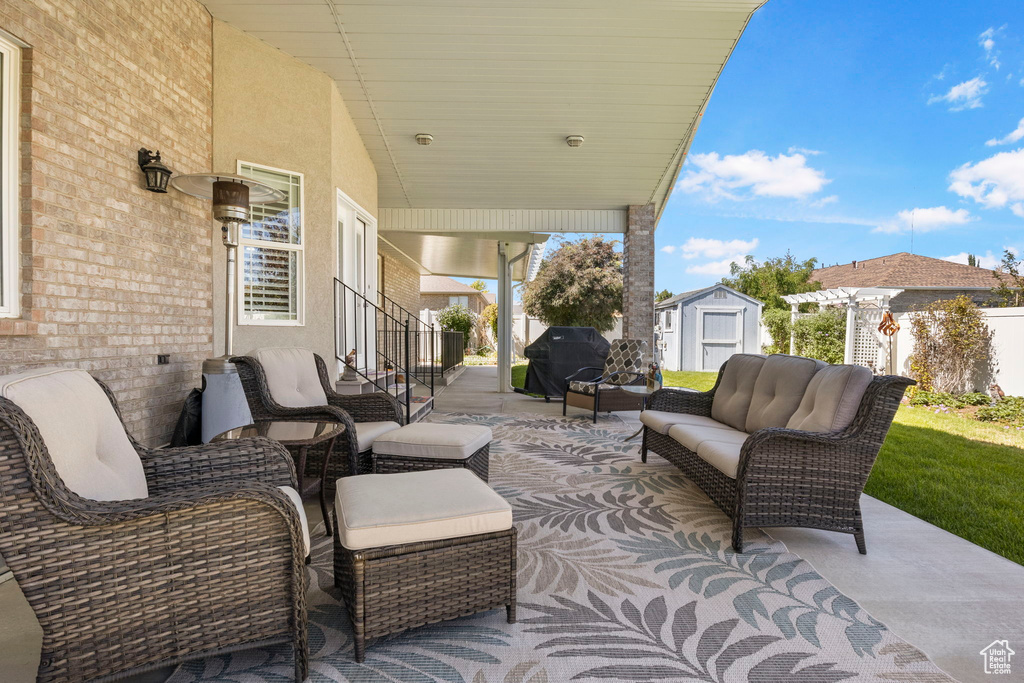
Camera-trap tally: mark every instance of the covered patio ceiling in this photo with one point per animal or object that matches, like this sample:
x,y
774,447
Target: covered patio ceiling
x,y
501,84
463,254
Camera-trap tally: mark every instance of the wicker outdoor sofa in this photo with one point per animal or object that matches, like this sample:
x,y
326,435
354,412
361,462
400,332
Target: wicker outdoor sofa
x,y
135,558
293,384
779,440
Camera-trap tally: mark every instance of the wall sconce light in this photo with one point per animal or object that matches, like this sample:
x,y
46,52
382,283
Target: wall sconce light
x,y
157,174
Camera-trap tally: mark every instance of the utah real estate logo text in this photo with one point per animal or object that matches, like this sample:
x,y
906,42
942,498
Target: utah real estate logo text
x,y
997,657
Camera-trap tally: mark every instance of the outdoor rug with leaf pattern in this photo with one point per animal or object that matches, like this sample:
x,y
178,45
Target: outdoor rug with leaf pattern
x,y
625,573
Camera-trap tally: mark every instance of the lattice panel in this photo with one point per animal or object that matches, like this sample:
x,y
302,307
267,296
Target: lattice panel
x,y
868,349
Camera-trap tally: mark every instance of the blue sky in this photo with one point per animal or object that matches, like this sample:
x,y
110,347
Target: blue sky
x,y
836,125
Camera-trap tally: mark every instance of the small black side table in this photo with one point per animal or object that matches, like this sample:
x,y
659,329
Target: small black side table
x,y
297,437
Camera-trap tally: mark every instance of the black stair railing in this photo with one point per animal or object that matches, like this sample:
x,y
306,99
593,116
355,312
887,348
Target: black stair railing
x,y
383,343
422,337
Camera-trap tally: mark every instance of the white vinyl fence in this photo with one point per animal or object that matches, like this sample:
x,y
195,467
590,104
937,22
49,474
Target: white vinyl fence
x,y
1007,325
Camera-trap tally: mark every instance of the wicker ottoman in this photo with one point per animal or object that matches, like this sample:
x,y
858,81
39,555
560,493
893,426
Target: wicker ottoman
x,y
423,446
419,547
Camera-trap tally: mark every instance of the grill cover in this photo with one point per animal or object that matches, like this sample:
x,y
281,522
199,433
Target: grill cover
x,y
558,353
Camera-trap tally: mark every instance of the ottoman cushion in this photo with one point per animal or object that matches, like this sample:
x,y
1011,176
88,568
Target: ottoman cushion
x,y
433,441
368,432
375,510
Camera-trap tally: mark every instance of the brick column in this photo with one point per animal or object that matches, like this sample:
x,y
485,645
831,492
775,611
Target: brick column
x,y
638,276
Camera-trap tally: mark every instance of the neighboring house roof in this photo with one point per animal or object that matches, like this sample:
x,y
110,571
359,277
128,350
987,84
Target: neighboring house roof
x,y
438,284
905,271
490,296
694,293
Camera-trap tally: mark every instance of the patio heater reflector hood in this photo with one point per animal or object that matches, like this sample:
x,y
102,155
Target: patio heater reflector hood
x,y
224,403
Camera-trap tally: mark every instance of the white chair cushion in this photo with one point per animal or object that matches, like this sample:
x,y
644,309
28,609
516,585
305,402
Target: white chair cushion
x,y
778,390
375,510
367,433
722,455
732,397
661,420
296,499
84,437
292,378
691,436
426,440
832,399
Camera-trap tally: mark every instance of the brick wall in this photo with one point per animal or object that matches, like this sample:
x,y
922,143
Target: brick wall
x,y
113,275
401,284
638,275
436,302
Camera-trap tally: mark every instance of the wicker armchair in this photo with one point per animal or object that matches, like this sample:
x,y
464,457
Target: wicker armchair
x,y
599,389
212,561
372,410
787,477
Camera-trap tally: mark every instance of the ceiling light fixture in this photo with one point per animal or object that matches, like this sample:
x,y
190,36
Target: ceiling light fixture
x,y
424,138
574,140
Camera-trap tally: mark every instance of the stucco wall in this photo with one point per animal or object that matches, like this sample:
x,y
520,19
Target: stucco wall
x,y
916,299
273,110
113,275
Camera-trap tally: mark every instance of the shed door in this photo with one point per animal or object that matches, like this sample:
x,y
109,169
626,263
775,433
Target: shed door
x,y
719,336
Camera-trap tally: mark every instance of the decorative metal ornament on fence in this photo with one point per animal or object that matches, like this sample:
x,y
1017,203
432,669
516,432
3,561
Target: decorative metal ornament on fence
x,y
889,327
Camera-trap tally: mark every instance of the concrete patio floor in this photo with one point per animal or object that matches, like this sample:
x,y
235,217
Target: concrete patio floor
x,y
941,593
945,595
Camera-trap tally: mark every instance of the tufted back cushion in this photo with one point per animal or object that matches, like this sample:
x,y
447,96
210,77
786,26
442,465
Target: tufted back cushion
x,y
732,398
779,388
625,355
832,399
292,377
83,435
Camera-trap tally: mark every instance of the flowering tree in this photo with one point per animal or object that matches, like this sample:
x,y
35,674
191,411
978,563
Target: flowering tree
x,y
457,318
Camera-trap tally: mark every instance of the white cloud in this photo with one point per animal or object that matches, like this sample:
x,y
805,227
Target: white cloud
x,y
995,183
1011,137
825,200
701,247
723,267
740,176
804,151
669,248
926,220
966,95
989,260
987,42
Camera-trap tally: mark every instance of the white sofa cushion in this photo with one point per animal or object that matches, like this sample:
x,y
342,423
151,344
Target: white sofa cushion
x,y
82,433
691,436
376,510
427,440
732,397
832,399
367,433
722,455
661,420
778,390
292,378
296,499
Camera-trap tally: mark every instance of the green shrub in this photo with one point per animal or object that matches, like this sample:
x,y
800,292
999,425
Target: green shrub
x,y
1009,410
976,398
457,318
484,351
489,317
776,322
822,335
937,398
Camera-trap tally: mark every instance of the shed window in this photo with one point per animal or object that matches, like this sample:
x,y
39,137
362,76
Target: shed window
x,y
668,321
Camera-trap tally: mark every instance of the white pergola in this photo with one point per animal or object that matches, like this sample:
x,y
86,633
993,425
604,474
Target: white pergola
x,y
851,297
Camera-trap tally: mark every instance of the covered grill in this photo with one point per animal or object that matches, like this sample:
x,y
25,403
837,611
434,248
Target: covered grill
x,y
558,353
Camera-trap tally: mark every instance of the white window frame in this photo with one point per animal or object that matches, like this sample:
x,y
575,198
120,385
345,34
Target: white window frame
x,y
10,108
243,242
668,320
459,299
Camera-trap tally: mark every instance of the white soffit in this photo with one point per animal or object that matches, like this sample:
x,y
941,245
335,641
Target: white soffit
x,y
461,254
500,85
551,220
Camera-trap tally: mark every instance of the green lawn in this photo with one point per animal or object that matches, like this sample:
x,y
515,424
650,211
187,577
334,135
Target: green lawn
x,y
964,476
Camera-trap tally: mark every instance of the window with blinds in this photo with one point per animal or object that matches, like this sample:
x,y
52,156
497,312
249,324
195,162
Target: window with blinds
x,y
10,55
271,246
